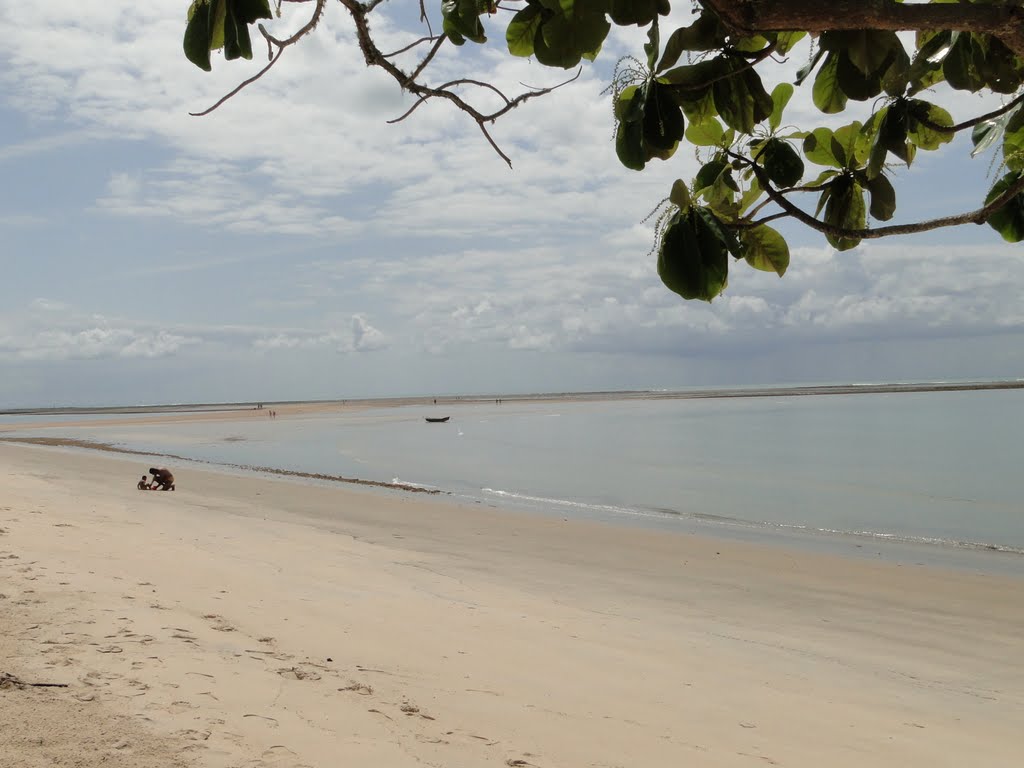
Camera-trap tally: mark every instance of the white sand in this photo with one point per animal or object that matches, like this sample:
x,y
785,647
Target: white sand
x,y
250,622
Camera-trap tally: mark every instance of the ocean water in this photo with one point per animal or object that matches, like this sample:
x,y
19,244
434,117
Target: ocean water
x,y
938,469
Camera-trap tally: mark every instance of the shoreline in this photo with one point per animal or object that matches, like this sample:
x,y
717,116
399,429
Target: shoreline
x,y
293,406
979,556
264,622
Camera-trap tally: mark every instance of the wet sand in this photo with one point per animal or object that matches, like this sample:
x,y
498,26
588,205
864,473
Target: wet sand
x,y
268,622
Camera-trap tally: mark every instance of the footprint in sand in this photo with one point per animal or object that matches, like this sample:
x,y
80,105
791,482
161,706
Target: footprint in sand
x,y
218,623
193,735
298,673
411,709
361,688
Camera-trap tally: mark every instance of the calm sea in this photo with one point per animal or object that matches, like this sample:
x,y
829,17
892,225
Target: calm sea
x,y
931,469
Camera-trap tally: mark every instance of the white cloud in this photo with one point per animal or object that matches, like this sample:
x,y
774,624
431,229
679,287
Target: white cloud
x,y
93,343
413,239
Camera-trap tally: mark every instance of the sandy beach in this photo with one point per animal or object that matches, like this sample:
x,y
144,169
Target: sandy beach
x,y
244,622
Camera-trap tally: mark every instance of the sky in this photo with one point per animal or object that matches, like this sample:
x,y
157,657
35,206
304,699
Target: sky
x,y
293,245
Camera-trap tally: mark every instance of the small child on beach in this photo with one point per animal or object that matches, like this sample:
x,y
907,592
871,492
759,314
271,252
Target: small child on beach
x,y
144,484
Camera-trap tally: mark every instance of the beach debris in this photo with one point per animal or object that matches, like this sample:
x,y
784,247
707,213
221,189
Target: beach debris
x,y
8,681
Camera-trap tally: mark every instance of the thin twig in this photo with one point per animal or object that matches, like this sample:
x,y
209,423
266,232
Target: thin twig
x,y
427,39
240,86
306,28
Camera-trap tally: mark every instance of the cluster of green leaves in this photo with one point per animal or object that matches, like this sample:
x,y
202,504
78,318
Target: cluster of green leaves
x,y
717,102
216,24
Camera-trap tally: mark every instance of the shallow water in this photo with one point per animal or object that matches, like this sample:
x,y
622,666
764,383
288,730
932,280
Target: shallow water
x,y
937,468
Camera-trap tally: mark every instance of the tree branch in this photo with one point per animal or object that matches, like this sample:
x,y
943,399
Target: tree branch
x,y
974,120
1004,21
306,28
979,216
374,58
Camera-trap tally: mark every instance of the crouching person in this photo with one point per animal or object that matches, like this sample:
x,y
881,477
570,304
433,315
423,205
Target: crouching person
x,y
162,478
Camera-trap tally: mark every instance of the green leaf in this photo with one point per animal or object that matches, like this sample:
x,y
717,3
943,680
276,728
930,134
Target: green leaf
x,y
781,95
856,145
823,198
198,35
249,11
722,233
819,148
897,75
219,10
462,20
694,79
845,209
629,145
663,120
704,34
854,83
567,39
805,70
826,93
984,135
869,50
699,110
782,163
883,198
963,63
824,176
638,12
1013,140
765,249
680,195
691,261
1000,66
888,127
629,107
922,135
237,43
750,197
706,134
784,41
741,99
926,66
653,44
1008,221
522,30
708,174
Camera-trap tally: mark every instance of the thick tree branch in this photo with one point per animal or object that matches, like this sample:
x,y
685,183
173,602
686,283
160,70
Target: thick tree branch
x,y
1004,20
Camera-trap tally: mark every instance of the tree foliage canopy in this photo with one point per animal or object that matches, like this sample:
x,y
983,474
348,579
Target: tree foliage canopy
x,y
702,84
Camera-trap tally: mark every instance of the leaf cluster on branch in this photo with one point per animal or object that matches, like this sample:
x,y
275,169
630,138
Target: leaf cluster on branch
x,y
753,169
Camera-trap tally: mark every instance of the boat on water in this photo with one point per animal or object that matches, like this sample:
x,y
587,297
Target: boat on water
x,y
438,420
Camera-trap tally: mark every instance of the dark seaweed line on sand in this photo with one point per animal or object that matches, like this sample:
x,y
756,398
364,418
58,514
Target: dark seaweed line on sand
x,y
68,442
